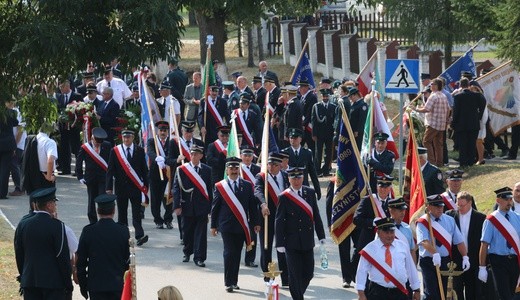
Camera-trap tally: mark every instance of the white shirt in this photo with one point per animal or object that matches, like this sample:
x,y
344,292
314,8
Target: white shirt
x,y
72,241
121,90
167,103
131,149
21,144
46,148
464,225
400,257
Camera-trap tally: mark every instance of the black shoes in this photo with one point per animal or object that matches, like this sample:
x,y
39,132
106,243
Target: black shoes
x,y
169,225
200,263
142,240
186,258
251,264
229,289
159,226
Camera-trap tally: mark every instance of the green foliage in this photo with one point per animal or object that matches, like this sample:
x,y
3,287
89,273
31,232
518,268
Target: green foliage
x,y
61,36
36,108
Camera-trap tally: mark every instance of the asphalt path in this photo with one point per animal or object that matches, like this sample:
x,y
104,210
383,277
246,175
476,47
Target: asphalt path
x,y
159,262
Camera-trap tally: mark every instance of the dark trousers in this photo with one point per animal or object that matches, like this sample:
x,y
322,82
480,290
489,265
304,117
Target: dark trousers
x,y
195,236
266,255
490,140
157,199
515,141
69,144
181,229
233,243
307,140
43,294
122,212
94,189
445,158
5,161
430,283
250,256
300,266
348,270
105,295
467,147
16,162
467,285
320,143
505,269
377,292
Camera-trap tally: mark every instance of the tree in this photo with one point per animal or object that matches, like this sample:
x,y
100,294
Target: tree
x,y
55,37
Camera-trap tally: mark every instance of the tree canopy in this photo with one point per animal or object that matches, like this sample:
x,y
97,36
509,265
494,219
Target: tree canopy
x,y
55,37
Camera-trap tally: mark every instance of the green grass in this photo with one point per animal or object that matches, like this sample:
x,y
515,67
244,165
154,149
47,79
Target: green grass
x,y
8,272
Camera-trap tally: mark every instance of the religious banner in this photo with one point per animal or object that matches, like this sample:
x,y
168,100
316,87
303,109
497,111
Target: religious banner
x,y
502,91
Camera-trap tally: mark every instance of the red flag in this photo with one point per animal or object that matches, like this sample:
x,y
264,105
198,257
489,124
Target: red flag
x,y
414,182
366,75
127,288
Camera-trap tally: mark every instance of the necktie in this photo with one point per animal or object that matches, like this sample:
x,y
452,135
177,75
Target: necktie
x,y
398,226
296,154
507,243
300,193
188,143
108,83
235,187
128,155
105,105
388,259
275,181
197,169
66,99
244,115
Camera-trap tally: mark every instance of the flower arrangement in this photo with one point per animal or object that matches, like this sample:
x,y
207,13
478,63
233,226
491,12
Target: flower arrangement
x,y
129,119
74,112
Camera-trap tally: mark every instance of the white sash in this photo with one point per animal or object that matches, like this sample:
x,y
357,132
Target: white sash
x,y
220,147
448,201
185,149
384,268
242,124
195,178
214,112
246,172
275,187
506,229
289,193
160,146
236,207
439,232
95,156
379,205
130,172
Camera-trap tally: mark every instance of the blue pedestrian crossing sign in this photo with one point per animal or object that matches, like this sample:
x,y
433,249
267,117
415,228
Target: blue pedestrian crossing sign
x,y
402,76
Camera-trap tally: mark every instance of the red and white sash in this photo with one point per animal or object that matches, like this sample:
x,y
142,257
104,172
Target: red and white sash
x,y
379,204
247,175
507,230
220,147
268,104
291,195
185,150
384,268
160,146
130,172
273,189
235,206
439,232
95,156
308,128
214,112
448,201
243,127
195,178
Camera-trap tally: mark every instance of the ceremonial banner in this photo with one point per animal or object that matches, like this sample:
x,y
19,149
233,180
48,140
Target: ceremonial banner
x,y
502,91
149,111
233,148
365,77
302,70
127,287
414,183
452,73
350,185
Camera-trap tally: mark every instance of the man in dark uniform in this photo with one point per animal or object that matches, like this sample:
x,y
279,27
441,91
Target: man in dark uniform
x,y
124,159
178,81
365,216
95,154
307,100
297,217
469,222
249,172
381,161
216,154
259,92
253,124
498,230
108,113
187,140
358,115
158,163
103,253
302,158
42,252
274,92
192,199
215,118
230,95
291,117
70,141
88,78
454,182
322,120
277,182
234,210
432,176
134,100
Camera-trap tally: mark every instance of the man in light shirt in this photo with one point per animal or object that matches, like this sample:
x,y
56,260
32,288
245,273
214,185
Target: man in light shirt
x,y
121,90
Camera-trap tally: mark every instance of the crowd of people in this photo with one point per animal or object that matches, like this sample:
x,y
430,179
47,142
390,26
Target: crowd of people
x,y
195,179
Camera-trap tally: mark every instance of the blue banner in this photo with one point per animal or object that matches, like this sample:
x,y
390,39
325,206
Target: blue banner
x,y
303,71
452,73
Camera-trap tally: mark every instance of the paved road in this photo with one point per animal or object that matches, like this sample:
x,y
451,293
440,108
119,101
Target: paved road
x,y
159,262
